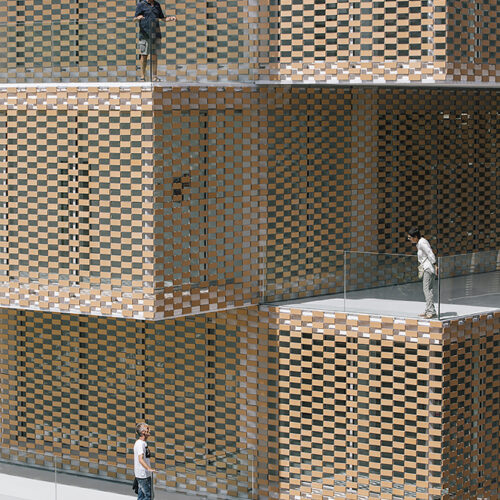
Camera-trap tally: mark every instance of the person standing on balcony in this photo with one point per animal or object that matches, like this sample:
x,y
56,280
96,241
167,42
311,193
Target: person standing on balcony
x,y
148,13
142,464
427,270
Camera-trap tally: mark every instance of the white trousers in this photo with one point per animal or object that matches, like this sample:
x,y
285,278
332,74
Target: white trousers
x,y
428,284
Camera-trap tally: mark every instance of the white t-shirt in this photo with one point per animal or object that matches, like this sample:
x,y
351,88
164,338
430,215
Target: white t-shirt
x,y
140,447
425,255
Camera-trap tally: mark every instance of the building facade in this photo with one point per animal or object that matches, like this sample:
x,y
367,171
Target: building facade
x,y
148,230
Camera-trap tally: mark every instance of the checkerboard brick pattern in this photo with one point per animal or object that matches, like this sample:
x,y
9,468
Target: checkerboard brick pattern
x,y
309,190
472,41
133,204
73,387
210,194
341,41
209,42
63,41
373,407
353,169
151,204
297,403
77,200
437,153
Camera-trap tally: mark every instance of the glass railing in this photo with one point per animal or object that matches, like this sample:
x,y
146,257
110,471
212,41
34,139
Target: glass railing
x,y
382,284
469,283
191,48
389,284
229,475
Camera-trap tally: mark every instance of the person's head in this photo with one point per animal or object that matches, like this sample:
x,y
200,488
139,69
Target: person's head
x,y
142,430
414,234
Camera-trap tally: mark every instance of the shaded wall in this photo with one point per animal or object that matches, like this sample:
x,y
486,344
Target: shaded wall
x,y
353,169
210,198
73,387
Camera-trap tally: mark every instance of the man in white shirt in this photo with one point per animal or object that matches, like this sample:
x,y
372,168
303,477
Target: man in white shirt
x,y
142,464
427,262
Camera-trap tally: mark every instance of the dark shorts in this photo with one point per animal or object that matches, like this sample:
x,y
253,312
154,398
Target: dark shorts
x,y
146,47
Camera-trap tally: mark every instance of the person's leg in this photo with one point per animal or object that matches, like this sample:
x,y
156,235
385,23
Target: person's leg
x,y
428,285
149,489
144,66
141,492
154,66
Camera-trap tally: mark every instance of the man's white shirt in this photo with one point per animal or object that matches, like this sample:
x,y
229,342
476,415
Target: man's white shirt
x,y
140,449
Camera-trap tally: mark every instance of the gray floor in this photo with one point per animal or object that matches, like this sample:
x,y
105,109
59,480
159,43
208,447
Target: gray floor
x,y
461,296
104,485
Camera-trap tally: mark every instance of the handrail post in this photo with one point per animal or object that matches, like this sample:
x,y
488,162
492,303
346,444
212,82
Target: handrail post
x,y
55,478
345,280
439,286
253,476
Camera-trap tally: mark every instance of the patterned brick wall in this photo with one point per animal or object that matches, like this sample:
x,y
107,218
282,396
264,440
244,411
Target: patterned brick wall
x,y
119,203
471,407
371,407
86,41
77,200
309,190
437,168
346,41
310,403
73,387
354,169
210,192
245,41
148,205
472,41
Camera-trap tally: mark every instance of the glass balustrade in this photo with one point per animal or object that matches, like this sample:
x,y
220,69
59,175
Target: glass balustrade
x,y
469,283
389,284
33,474
185,50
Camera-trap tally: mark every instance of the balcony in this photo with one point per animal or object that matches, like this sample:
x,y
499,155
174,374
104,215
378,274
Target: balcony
x,y
255,42
387,285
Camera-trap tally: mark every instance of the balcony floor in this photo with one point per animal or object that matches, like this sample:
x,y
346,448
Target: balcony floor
x,y
461,296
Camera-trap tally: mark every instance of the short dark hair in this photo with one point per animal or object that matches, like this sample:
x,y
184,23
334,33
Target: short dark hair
x,y
414,232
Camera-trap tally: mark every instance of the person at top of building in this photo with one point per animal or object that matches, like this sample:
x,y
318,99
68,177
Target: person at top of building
x,y
148,13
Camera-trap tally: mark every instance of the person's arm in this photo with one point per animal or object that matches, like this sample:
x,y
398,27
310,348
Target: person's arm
x,y
426,247
138,13
144,464
163,18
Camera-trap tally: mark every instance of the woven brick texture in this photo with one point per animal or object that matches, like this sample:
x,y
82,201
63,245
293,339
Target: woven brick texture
x,y
372,407
73,388
77,200
309,41
147,204
472,37
62,41
210,198
353,170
